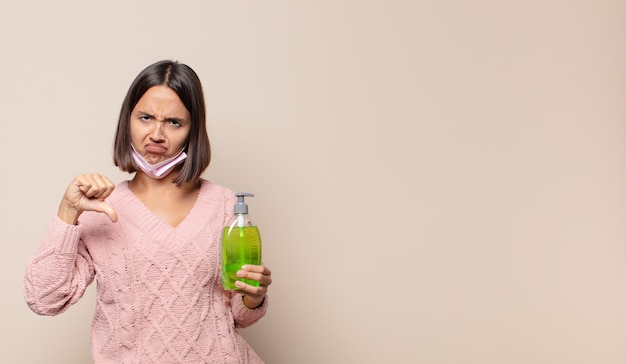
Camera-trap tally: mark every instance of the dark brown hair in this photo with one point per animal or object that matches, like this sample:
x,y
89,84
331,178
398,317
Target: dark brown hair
x,y
185,82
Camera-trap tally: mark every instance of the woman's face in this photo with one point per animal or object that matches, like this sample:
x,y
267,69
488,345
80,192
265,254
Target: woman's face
x,y
159,124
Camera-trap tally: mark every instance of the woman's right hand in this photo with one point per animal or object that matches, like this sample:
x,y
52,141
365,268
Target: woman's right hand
x,y
87,192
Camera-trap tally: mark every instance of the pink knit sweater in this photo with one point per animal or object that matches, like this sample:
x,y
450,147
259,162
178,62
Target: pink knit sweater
x,y
159,295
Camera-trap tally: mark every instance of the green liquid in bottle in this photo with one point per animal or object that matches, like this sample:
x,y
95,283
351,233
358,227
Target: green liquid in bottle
x,y
240,246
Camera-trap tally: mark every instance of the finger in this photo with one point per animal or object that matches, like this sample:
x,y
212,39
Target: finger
x,y
259,273
95,186
263,279
257,269
84,185
251,290
104,186
87,187
108,210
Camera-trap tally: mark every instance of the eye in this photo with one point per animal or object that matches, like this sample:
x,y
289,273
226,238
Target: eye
x,y
175,122
145,117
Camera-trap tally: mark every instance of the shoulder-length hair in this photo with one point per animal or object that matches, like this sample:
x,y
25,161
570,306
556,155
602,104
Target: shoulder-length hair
x,y
185,82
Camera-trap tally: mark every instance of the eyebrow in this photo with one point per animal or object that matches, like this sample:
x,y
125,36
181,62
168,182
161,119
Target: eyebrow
x,y
170,118
178,120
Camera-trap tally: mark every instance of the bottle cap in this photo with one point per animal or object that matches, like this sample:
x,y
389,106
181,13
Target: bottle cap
x,y
241,207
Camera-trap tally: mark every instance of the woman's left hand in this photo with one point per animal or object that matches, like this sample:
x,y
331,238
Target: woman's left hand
x,y
254,296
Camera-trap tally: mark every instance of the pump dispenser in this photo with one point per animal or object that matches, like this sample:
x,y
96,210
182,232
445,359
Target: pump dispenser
x,y
241,244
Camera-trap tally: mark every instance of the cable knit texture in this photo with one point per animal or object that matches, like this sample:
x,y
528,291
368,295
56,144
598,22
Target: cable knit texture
x,y
159,297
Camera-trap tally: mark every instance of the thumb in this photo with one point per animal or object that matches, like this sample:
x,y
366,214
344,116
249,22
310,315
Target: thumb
x,y
107,209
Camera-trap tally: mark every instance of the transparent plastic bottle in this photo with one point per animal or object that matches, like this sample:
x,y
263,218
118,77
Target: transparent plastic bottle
x,y
241,244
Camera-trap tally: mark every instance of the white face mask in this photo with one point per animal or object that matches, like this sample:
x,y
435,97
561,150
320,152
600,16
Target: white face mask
x,y
159,170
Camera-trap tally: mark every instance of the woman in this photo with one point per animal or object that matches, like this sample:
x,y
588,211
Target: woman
x,y
152,242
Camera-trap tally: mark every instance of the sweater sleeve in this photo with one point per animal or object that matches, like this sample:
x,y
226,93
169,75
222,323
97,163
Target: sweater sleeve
x,y
59,272
243,315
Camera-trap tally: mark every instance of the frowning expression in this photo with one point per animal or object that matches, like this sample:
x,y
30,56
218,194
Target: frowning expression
x,y
159,124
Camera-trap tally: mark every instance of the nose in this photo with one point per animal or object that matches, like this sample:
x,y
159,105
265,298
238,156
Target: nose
x,y
157,133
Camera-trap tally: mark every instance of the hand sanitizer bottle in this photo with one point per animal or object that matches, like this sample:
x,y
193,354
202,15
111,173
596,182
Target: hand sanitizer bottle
x,y
241,244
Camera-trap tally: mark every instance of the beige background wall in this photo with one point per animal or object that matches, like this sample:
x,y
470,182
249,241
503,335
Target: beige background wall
x,y
437,181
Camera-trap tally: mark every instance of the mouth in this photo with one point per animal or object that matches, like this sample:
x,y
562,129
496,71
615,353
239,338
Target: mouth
x,y
155,149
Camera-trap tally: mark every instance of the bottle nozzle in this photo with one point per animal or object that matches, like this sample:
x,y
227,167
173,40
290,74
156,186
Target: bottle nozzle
x,y
241,207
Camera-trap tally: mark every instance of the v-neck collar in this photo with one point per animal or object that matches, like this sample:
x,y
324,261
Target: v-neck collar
x,y
160,230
